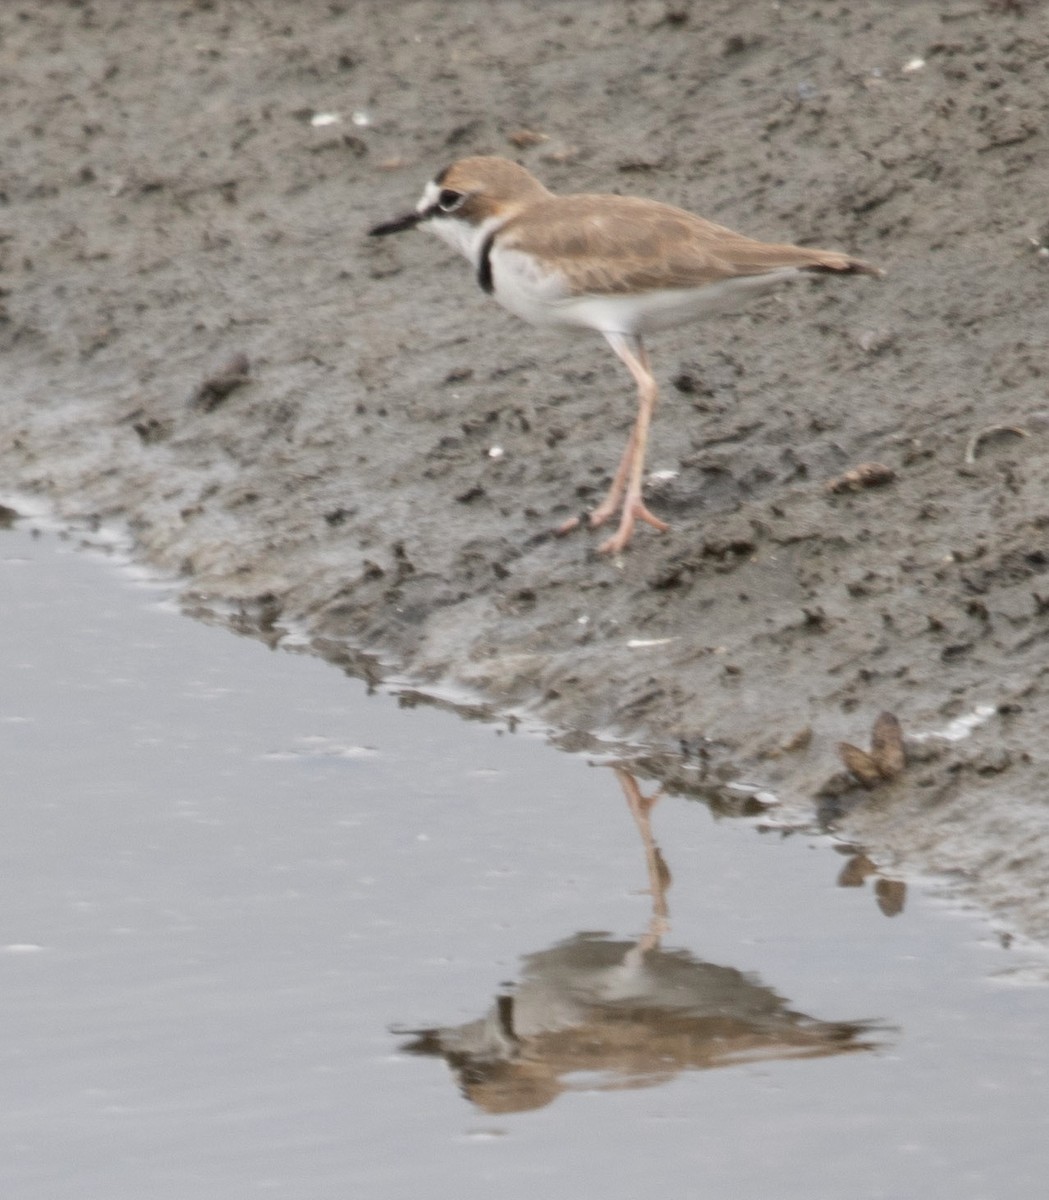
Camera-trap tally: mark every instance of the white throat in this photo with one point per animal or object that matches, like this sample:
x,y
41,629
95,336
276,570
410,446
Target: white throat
x,y
461,235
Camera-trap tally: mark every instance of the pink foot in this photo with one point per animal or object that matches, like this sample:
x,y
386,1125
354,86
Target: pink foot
x,y
632,513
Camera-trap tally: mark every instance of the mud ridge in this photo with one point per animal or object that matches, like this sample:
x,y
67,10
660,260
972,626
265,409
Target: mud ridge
x,y
201,342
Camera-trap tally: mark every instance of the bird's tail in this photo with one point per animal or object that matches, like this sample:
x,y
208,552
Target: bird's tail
x,y
831,262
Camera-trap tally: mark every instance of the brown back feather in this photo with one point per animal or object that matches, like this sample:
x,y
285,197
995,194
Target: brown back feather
x,y
625,244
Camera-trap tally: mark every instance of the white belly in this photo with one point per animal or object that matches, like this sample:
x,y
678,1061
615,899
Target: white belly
x,y
542,297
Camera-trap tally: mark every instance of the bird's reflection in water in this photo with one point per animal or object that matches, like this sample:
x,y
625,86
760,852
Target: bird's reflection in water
x,y
596,1012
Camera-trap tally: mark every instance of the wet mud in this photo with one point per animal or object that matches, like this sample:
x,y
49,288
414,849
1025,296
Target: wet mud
x,y
347,439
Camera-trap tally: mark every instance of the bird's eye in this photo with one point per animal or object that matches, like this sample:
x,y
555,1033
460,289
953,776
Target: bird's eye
x,y
448,201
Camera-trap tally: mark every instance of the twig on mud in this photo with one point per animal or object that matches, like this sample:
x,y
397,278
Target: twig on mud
x,y
972,448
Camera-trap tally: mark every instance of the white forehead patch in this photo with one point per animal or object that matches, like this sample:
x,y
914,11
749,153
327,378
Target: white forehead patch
x,y
429,197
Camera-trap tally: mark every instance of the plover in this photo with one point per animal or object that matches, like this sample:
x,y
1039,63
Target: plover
x,y
616,264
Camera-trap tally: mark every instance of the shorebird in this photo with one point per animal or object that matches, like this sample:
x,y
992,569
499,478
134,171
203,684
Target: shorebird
x,y
619,265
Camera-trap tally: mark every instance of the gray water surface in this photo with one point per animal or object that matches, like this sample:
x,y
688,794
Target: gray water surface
x,y
262,934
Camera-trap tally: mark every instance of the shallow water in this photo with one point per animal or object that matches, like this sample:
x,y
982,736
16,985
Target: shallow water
x,y
233,882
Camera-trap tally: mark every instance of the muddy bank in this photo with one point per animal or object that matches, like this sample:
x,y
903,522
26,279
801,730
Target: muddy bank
x,y
194,187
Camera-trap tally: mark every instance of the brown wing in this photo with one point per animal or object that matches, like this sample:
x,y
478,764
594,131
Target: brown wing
x,y
614,244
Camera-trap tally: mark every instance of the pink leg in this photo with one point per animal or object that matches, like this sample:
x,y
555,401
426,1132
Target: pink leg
x,y
600,514
615,493
632,466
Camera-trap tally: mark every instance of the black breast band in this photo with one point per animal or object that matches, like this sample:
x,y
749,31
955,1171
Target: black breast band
x,y
484,264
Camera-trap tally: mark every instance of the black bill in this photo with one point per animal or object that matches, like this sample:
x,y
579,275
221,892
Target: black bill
x,y
397,225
